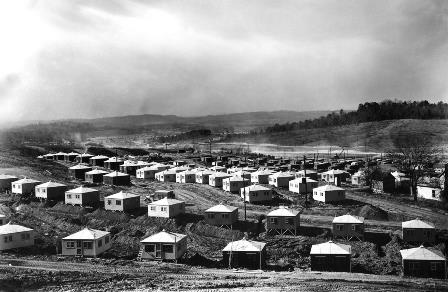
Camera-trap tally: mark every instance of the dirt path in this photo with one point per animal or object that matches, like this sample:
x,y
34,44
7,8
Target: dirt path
x,y
101,276
441,220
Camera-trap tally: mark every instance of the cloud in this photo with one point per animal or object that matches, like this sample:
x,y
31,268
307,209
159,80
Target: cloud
x,y
103,58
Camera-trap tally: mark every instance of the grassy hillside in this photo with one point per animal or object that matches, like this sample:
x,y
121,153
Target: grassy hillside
x,y
377,136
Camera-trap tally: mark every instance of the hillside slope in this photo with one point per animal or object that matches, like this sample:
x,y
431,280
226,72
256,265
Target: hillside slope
x,y
375,136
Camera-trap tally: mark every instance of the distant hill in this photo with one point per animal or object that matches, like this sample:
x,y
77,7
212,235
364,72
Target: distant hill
x,y
373,136
244,120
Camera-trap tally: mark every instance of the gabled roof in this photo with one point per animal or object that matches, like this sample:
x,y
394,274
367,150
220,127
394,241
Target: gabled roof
x,y
9,228
164,237
7,176
221,209
60,153
221,174
99,157
122,195
283,211
26,181
335,171
261,172
87,233
85,155
331,247
72,153
417,223
80,166
237,178
257,188
96,171
114,159
422,253
348,219
299,180
116,173
245,245
166,202
81,190
283,174
50,184
328,188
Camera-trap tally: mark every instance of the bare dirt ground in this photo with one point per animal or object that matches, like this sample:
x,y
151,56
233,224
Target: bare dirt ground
x,y
100,275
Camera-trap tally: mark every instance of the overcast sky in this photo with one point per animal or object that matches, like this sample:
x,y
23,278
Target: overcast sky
x,y
68,59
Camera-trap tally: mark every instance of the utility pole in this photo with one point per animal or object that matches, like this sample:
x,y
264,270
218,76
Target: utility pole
x,y
304,180
244,191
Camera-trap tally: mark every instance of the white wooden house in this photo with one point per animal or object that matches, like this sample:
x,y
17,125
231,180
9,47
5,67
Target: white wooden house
x,y
82,196
234,184
24,186
15,236
95,176
122,202
202,177
166,175
429,192
166,208
51,191
221,215
328,194
216,179
335,176
283,221
302,185
187,176
164,246
87,243
147,172
281,179
256,194
312,174
260,177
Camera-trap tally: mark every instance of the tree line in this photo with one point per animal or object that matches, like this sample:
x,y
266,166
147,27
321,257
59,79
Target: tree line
x,y
193,134
370,112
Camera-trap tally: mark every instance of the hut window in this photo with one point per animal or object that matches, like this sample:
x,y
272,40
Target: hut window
x,y
163,209
70,244
109,202
225,215
44,190
87,245
433,267
339,227
69,196
273,220
149,248
118,202
433,193
153,208
211,216
77,196
353,227
289,221
100,243
106,239
168,248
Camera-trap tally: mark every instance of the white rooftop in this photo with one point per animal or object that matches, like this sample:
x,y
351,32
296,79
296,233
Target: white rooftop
x,y
122,195
81,190
245,245
283,211
116,173
85,155
166,202
256,188
50,184
165,237
87,233
331,247
417,223
96,171
299,180
283,174
222,209
221,174
421,253
348,219
80,166
100,157
26,181
9,228
335,171
115,159
328,188
7,176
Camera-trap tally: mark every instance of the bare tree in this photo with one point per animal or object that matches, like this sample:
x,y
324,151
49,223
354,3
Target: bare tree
x,y
415,156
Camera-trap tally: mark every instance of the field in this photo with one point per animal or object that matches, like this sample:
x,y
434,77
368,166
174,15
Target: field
x,y
202,267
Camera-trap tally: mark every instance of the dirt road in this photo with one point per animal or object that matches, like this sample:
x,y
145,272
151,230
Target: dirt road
x,y
129,276
440,219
